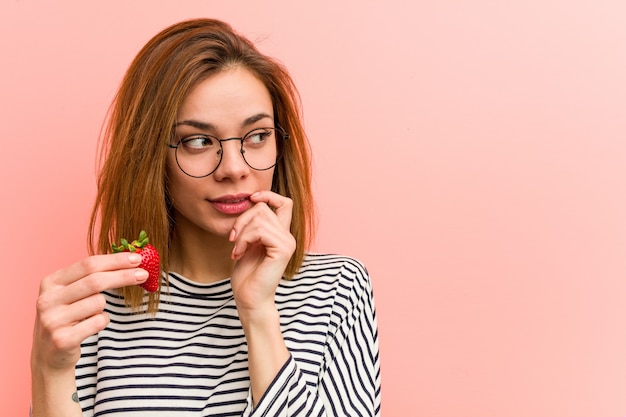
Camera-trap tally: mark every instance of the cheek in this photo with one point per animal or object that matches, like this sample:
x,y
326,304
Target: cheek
x,y
184,199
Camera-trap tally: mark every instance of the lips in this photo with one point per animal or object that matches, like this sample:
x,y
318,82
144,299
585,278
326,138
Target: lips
x,y
232,204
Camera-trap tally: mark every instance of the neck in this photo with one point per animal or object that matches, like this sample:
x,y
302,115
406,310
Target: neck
x,y
200,256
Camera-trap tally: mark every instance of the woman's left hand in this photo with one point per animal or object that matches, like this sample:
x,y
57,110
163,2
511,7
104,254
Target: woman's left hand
x,y
263,248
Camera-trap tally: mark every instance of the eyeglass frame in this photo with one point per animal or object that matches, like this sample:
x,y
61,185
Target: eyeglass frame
x,y
277,128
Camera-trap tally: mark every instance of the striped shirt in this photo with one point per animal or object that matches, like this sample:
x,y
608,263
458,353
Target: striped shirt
x,y
191,358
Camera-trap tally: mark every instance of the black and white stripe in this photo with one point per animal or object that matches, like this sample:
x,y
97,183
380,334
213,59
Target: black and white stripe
x,y
191,358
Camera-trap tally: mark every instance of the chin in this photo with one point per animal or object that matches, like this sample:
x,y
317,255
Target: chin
x,y
221,228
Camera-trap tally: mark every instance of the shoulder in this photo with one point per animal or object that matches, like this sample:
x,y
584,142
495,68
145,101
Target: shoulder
x,y
336,270
326,261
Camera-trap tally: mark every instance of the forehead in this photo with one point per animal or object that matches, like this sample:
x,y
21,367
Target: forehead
x,y
226,98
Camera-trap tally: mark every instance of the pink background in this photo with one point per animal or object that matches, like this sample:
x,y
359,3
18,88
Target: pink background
x,y
471,153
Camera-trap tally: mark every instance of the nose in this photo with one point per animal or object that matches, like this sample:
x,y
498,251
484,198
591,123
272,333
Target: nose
x,y
232,165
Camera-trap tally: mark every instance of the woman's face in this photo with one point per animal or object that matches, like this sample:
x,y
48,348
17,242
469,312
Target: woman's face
x,y
226,105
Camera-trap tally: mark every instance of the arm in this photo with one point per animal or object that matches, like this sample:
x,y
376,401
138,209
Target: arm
x,y
263,248
69,309
350,384
349,380
52,393
267,352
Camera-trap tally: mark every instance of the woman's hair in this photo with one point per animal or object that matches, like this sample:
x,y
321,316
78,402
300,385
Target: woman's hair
x,y
132,182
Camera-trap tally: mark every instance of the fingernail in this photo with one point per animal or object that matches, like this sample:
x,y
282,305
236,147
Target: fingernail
x,y
233,254
231,237
134,258
141,275
258,193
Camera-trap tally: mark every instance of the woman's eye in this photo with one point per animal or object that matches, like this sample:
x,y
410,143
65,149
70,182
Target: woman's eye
x,y
257,137
199,142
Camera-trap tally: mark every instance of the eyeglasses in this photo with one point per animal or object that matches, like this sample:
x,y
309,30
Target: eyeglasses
x,y
199,155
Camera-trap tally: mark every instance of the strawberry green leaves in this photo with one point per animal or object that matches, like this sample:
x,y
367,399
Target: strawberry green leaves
x,y
150,259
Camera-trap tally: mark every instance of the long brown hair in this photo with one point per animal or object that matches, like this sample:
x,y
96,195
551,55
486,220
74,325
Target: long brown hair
x,y
132,183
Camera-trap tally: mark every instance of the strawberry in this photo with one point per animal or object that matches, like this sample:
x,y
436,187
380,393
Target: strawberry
x,y
150,259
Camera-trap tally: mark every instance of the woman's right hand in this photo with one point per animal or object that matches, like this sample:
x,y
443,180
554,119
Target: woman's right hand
x,y
70,307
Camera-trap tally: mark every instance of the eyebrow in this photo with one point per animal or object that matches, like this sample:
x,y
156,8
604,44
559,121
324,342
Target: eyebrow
x,y
211,127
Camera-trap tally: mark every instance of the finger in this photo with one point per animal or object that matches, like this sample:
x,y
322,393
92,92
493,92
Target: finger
x,y
92,284
276,241
250,235
84,308
95,263
71,337
62,315
91,326
101,281
282,206
260,212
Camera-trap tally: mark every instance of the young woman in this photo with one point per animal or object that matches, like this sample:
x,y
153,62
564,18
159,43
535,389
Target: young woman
x,y
205,151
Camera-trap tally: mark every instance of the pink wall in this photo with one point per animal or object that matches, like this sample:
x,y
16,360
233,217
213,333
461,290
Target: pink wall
x,y
471,153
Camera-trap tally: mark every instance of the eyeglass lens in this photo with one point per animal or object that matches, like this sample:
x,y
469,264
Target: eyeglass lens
x,y
200,155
